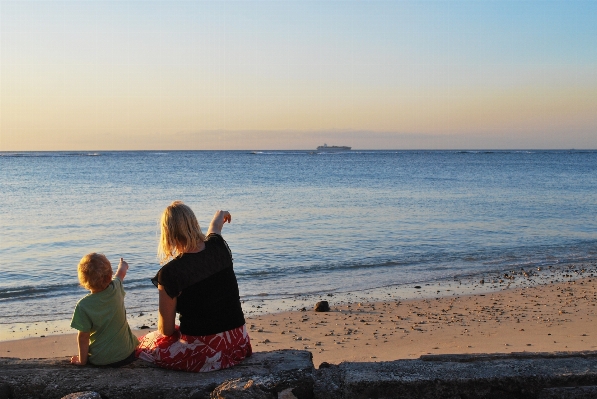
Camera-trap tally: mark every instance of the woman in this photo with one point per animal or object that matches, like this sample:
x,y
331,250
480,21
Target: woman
x,y
199,283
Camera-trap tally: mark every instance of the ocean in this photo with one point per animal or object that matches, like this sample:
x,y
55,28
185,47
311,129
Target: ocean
x,y
303,223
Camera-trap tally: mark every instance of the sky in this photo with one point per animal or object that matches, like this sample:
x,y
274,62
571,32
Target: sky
x,y
207,75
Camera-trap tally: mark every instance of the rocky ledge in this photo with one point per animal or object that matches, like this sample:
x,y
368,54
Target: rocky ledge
x,y
290,374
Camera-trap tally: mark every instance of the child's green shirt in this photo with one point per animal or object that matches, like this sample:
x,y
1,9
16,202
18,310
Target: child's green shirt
x,y
104,316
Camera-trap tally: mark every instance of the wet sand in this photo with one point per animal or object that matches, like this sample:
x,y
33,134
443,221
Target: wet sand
x,y
541,318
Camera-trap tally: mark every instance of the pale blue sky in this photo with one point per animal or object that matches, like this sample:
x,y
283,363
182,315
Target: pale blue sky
x,y
290,74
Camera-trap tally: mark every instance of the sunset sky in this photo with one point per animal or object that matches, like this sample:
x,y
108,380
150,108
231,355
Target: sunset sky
x,y
116,75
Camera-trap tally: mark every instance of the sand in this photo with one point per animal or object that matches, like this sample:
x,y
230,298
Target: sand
x,y
541,318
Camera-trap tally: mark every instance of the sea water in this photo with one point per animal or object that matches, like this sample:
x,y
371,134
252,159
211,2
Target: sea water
x,y
303,222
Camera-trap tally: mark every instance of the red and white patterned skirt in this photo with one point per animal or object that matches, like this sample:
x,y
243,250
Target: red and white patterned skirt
x,y
195,353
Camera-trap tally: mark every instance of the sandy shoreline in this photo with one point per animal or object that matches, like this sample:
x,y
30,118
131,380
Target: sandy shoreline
x,y
262,304
549,317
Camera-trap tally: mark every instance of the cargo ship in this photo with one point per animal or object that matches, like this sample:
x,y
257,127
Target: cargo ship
x,y
334,148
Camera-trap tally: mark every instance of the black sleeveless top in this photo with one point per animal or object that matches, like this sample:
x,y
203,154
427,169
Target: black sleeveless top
x,y
209,300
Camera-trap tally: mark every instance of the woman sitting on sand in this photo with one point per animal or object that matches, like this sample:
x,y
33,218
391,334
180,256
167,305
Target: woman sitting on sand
x,y
199,283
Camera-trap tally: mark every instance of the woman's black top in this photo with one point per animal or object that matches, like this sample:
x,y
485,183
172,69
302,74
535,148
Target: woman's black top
x,y
209,300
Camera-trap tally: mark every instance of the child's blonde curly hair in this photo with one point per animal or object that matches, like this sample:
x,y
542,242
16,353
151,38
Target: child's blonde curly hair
x,y
95,272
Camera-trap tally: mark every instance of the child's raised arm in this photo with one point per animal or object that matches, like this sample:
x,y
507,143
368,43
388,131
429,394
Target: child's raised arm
x,y
122,269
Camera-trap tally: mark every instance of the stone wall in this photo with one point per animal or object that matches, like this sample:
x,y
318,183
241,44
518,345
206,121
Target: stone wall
x,y
290,374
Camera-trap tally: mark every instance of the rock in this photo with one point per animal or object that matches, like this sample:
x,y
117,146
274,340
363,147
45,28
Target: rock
x,y
589,392
83,395
286,394
297,384
289,374
203,392
55,378
5,391
240,389
328,383
522,375
322,306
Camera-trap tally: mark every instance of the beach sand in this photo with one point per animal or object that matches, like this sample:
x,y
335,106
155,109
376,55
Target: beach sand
x,y
542,318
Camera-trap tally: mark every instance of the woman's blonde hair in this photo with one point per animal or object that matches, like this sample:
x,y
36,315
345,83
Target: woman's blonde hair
x,y
180,232
94,271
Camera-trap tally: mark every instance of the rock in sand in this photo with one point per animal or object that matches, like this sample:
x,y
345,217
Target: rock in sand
x,y
322,306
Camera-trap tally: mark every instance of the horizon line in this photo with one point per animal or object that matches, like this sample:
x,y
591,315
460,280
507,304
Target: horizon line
x,y
315,150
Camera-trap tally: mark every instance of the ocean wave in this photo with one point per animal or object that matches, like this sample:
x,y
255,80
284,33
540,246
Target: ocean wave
x,y
494,260
30,292
443,263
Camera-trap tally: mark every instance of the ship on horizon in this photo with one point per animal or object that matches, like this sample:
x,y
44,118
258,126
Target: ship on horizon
x,y
326,147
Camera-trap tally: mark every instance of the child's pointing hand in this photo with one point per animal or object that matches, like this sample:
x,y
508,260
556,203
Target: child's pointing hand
x,y
122,268
123,264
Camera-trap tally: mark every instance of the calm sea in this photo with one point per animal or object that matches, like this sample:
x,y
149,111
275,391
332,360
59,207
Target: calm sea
x,y
303,222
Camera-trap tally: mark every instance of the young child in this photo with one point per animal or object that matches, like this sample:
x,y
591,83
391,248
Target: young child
x,y
105,338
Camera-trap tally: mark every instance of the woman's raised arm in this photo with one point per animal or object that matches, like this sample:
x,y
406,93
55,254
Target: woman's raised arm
x,y
217,223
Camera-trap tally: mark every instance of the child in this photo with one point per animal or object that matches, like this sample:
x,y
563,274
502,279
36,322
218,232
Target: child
x,y
105,338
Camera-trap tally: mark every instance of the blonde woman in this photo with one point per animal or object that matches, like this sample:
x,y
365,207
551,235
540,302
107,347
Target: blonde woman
x,y
198,282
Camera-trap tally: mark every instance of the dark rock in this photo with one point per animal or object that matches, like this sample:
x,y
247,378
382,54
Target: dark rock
x,y
589,392
290,374
241,389
5,391
328,383
83,395
476,357
482,282
488,376
55,378
143,327
287,394
298,383
204,391
418,287
322,306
